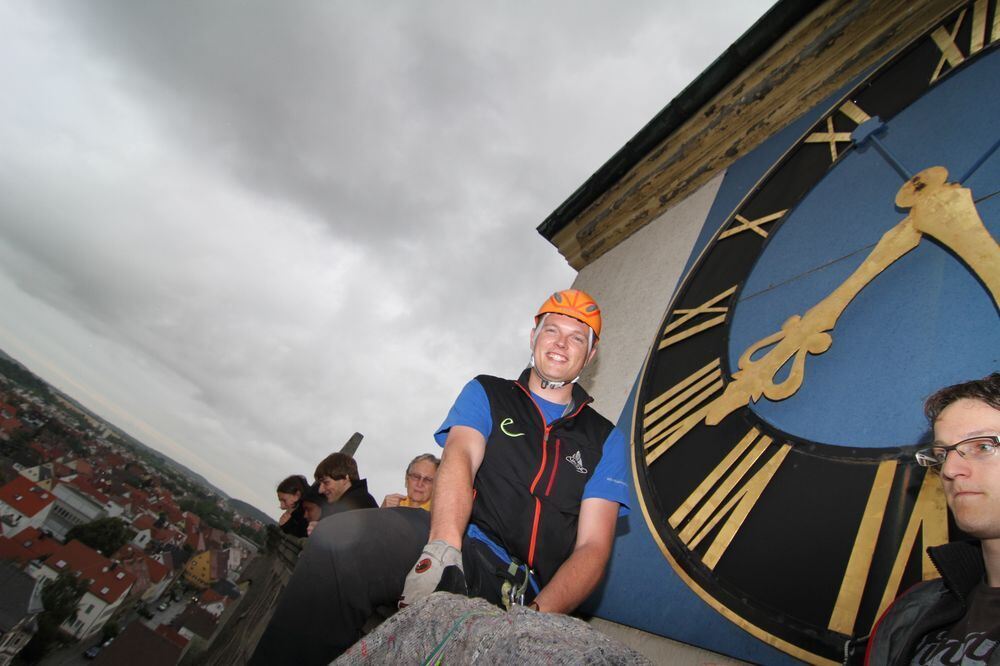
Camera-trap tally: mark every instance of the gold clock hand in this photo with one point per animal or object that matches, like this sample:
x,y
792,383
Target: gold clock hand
x,y
947,212
941,209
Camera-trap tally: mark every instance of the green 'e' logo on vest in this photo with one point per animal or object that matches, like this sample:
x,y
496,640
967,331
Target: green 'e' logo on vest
x,y
503,426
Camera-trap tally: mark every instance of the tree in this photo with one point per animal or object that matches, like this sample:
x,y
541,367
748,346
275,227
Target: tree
x,y
60,598
105,535
250,533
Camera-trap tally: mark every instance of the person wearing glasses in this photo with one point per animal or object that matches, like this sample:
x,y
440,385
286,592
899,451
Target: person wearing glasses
x,y
526,499
419,484
955,619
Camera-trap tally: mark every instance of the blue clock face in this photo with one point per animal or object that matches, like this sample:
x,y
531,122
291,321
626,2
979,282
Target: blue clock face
x,y
926,321
799,516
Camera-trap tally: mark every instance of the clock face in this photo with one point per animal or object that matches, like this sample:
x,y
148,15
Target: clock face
x,y
775,420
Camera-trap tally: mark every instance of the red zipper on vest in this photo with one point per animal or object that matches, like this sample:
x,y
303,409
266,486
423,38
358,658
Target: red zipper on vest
x,y
547,428
545,457
555,466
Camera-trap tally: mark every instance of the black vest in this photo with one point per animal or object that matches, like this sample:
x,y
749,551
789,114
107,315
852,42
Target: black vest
x,y
530,483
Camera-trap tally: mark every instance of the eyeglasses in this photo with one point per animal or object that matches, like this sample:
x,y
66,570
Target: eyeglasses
x,y
413,476
979,448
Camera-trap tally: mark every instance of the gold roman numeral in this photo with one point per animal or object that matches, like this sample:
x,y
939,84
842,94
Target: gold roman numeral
x,y
732,499
845,611
672,414
672,335
928,520
743,224
944,39
849,109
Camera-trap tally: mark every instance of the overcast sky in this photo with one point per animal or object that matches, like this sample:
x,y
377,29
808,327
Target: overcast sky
x,y
242,231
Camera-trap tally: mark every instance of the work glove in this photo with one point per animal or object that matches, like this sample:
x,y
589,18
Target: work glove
x,y
439,567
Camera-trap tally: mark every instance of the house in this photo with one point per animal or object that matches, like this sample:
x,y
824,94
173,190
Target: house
x,y
28,545
41,475
81,467
198,621
73,507
138,639
173,557
196,540
143,526
215,539
241,550
167,536
179,638
23,504
20,604
212,602
151,577
198,570
108,585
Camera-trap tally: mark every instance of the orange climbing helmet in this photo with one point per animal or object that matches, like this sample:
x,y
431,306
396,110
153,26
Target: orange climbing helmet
x,y
576,304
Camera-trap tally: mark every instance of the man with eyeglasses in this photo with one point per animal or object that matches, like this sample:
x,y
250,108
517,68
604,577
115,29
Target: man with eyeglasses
x,y
955,619
419,484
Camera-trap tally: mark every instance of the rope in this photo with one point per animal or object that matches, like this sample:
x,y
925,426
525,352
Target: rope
x,y
439,648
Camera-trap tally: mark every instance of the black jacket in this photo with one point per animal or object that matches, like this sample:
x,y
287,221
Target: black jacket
x,y
531,481
929,606
297,522
355,497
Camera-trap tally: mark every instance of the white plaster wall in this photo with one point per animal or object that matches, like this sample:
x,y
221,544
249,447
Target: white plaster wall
x,y
633,284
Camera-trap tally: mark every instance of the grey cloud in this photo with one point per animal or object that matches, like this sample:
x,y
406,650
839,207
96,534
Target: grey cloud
x,y
290,221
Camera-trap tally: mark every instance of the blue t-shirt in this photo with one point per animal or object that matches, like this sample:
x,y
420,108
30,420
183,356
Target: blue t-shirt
x,y
610,479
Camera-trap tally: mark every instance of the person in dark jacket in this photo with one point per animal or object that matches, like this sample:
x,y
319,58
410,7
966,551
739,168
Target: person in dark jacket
x,y
955,619
291,491
338,479
524,507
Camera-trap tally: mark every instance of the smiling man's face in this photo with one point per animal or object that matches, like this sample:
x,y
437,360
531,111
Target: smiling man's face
x,y
971,486
562,347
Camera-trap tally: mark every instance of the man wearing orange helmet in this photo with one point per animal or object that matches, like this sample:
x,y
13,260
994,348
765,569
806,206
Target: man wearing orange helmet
x,y
526,498
532,479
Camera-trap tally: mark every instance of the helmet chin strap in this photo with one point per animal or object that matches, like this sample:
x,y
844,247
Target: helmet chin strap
x,y
545,381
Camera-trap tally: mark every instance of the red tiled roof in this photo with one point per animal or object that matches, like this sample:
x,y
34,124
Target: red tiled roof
x,y
210,596
196,541
137,561
174,514
87,487
25,497
136,494
83,467
144,522
171,635
219,564
167,534
59,470
109,582
28,544
138,639
196,619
